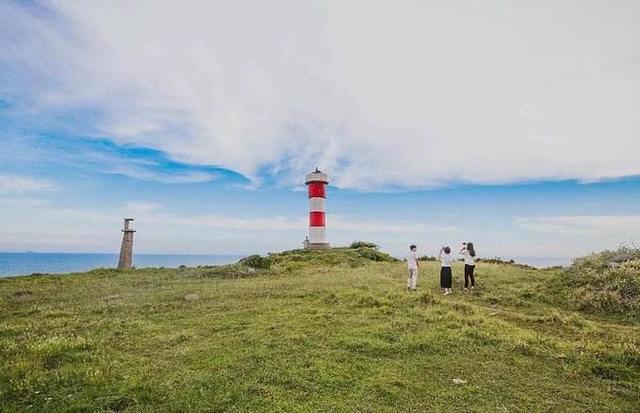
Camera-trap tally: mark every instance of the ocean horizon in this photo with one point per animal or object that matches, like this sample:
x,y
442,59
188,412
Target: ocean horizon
x,y
13,264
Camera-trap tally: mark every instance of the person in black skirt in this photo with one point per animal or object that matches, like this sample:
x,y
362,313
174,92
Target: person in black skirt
x,y
445,269
469,253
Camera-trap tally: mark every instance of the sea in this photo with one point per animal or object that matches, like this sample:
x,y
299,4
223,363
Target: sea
x,y
544,262
25,263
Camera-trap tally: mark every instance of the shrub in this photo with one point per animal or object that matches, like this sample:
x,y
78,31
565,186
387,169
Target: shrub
x,y
334,256
498,260
256,261
606,282
374,255
363,244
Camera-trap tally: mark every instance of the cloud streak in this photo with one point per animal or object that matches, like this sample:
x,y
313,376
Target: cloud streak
x,y
409,94
40,225
15,184
582,224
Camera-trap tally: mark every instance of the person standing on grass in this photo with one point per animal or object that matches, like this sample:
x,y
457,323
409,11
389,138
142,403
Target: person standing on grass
x,y
468,252
445,269
412,263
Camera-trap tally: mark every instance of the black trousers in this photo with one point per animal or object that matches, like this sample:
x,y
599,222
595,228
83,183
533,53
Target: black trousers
x,y
468,274
445,277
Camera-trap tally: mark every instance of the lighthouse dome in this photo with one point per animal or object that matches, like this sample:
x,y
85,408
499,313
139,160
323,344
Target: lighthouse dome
x,y
316,176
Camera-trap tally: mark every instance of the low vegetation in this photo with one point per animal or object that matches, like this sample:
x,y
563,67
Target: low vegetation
x,y
363,244
606,282
498,260
319,331
256,261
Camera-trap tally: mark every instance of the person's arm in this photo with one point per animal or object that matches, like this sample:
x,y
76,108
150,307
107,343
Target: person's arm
x,y
440,254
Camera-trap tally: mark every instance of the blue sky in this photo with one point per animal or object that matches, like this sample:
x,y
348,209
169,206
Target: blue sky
x,y
453,123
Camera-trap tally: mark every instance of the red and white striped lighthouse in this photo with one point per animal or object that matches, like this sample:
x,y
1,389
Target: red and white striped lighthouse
x,y
317,183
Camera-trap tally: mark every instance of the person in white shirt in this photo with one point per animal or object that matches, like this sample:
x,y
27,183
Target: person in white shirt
x,y
412,263
468,252
445,269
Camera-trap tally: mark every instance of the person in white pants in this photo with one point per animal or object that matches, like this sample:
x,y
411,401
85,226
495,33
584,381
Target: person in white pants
x,y
412,263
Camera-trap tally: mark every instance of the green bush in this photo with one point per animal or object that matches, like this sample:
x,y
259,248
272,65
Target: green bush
x,y
606,282
498,260
374,255
363,244
334,256
256,261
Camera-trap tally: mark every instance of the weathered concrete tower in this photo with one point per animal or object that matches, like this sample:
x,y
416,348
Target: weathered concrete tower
x,y
126,250
317,182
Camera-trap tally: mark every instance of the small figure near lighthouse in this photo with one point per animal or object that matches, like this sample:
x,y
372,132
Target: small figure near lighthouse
x,y
317,182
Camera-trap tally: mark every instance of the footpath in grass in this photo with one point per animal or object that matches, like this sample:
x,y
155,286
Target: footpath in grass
x,y
309,336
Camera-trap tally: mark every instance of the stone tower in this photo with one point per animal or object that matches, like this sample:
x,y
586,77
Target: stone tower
x,y
126,250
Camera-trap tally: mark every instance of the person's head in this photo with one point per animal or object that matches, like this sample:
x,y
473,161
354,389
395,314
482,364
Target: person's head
x,y
447,250
470,248
412,247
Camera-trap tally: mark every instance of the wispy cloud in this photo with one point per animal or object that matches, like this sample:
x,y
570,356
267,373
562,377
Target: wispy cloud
x,y
583,224
357,225
101,156
15,184
162,229
156,214
158,175
379,94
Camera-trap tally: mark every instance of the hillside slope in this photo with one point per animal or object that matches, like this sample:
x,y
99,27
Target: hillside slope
x,y
308,335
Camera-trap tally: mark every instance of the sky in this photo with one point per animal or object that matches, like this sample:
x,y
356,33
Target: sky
x,y
513,124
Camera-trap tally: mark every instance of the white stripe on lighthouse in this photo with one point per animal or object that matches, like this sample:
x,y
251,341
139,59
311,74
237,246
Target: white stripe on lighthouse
x,y
317,235
316,204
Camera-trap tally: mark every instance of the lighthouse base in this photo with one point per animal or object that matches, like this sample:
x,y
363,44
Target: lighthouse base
x,y
318,246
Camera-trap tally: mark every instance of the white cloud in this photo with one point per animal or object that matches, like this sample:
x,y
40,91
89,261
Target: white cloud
x,y
153,213
158,175
357,225
378,93
583,224
15,184
44,226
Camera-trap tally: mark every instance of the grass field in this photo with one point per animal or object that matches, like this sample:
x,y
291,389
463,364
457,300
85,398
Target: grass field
x,y
337,335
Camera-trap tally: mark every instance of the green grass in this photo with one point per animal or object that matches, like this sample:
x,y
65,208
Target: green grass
x,y
316,332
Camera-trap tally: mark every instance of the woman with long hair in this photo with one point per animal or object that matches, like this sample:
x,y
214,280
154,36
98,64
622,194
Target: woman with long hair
x,y
445,269
468,252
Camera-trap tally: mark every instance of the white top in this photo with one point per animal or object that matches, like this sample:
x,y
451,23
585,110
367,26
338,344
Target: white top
x,y
446,259
468,259
412,260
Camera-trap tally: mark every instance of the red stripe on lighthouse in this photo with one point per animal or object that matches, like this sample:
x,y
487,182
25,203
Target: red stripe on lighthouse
x,y
316,219
316,190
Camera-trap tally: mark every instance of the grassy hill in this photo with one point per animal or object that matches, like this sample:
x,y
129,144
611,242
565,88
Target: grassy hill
x,y
331,331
